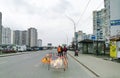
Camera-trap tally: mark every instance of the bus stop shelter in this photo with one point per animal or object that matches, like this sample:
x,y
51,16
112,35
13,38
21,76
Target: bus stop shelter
x,y
90,47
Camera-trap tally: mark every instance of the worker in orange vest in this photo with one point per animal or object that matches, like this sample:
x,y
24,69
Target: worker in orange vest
x,y
59,50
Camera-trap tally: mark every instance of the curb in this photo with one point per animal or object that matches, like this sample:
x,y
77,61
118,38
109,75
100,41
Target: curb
x,y
84,66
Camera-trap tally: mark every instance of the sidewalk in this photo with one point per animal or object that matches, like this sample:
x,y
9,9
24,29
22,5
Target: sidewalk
x,y
100,67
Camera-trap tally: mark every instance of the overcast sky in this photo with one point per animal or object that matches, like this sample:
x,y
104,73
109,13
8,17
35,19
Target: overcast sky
x,y
49,17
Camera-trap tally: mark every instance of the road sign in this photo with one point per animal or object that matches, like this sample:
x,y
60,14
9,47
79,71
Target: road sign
x,y
115,22
93,37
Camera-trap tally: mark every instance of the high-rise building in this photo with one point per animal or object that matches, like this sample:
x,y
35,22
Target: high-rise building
x,y
32,37
113,15
6,35
107,7
24,37
100,27
17,37
0,28
20,37
0,18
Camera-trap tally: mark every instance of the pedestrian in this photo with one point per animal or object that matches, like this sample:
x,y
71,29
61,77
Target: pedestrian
x,y
76,53
65,51
60,51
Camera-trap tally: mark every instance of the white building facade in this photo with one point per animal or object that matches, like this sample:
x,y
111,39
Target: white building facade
x,y
0,28
24,37
80,36
6,35
39,43
20,37
32,37
100,27
17,37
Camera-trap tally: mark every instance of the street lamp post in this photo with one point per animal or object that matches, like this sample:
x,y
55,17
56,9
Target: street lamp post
x,y
76,45
97,47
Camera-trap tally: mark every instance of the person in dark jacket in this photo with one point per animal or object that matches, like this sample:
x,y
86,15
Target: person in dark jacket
x,y
65,51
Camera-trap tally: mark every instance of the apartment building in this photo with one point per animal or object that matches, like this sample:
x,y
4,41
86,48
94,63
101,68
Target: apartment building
x,y
6,35
0,28
32,37
113,14
100,27
17,37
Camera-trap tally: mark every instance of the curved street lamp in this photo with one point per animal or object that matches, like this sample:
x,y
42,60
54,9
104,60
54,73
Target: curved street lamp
x,y
76,47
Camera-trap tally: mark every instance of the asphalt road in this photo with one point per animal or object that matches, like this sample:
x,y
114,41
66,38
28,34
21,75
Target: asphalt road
x,y
30,66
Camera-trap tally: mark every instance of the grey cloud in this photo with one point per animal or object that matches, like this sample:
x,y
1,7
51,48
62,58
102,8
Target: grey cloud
x,y
22,6
62,7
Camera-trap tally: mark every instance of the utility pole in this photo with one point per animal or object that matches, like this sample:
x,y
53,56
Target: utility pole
x,y
97,42
97,47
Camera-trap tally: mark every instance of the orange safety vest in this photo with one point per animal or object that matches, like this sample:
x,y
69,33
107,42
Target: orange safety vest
x,y
59,49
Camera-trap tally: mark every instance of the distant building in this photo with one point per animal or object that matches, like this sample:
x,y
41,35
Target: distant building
x,y
28,38
17,37
49,45
20,37
6,36
80,36
39,43
32,37
83,36
25,37
0,28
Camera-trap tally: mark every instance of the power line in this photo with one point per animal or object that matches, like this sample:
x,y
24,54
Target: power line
x,y
83,12
96,9
100,4
90,16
